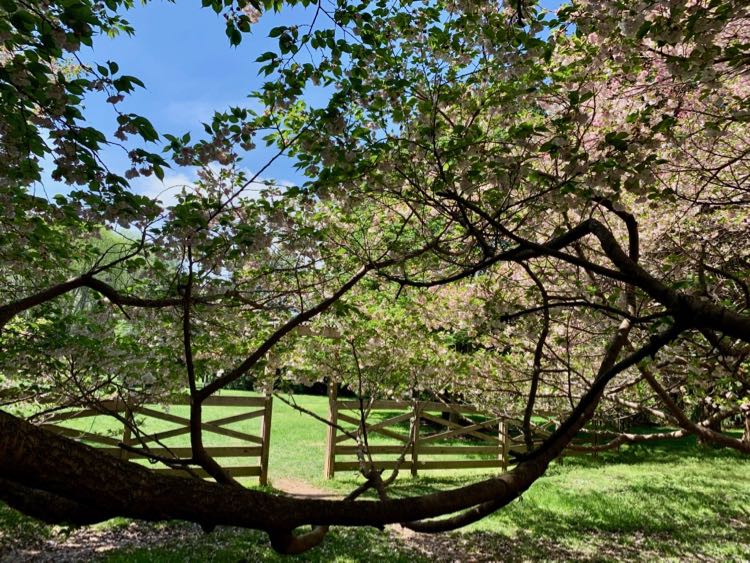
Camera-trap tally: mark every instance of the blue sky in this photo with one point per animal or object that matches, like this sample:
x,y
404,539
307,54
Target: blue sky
x,y
181,53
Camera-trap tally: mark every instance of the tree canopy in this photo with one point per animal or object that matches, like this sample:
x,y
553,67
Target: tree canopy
x,y
524,207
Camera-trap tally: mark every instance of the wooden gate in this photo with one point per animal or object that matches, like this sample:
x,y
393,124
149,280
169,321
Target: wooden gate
x,y
237,446
414,440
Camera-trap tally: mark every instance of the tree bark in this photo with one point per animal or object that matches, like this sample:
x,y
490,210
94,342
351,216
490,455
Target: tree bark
x,y
36,459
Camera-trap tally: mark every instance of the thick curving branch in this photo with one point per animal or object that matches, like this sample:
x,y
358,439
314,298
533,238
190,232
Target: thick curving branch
x,y
701,429
10,310
38,459
538,355
686,309
48,507
278,334
535,463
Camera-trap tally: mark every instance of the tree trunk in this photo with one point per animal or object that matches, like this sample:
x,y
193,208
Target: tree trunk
x,y
34,459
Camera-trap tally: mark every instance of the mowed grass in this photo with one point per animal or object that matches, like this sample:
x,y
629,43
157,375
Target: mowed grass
x,y
664,501
297,440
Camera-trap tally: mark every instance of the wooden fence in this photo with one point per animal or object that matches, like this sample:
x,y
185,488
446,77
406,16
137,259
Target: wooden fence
x,y
417,439
245,446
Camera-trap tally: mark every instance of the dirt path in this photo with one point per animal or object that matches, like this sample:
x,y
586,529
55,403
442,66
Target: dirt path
x,y
302,489
476,547
426,544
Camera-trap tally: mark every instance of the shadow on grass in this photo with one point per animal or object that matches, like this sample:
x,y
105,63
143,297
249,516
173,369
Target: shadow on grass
x,y
249,546
18,530
665,501
660,501
660,451
121,540
635,523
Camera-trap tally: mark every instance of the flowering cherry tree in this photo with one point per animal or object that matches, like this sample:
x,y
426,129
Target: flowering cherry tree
x,y
558,198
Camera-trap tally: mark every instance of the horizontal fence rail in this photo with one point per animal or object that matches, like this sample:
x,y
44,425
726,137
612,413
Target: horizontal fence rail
x,y
420,429
251,449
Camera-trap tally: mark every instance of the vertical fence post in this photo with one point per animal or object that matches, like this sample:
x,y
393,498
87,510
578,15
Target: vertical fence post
x,y
329,469
414,436
125,454
126,434
596,423
265,436
561,457
504,437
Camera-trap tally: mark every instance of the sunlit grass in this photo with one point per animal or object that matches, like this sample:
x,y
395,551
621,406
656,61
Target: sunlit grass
x,y
667,500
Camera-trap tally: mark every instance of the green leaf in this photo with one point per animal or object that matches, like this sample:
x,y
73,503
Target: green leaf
x,y
619,140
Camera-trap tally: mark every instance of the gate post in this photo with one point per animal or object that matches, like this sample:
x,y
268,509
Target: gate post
x,y
330,459
504,436
265,436
127,437
415,438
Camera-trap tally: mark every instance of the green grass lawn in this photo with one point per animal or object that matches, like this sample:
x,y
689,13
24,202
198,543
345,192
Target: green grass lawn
x,y
672,500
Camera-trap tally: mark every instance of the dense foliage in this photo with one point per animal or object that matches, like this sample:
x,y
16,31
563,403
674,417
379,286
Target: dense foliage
x,y
522,208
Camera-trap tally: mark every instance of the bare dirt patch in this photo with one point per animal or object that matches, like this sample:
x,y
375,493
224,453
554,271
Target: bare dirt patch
x,y
302,489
